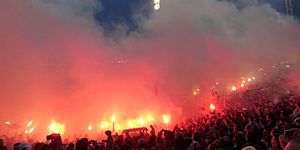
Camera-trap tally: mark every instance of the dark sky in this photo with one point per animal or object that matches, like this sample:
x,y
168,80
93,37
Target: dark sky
x,y
122,12
114,13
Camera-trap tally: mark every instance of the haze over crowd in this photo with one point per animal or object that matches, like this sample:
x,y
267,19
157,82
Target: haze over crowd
x,y
56,60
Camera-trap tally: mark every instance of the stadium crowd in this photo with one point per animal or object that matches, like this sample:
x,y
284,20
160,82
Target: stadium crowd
x,y
261,126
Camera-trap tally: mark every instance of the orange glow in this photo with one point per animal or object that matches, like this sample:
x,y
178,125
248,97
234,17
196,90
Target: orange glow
x,y
212,107
166,119
90,127
30,130
113,118
130,124
242,85
249,79
7,122
118,127
195,93
150,118
142,121
29,123
56,127
104,125
233,88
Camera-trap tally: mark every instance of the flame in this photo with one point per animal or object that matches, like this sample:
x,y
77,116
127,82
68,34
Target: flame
x,y
166,118
30,130
212,107
130,124
118,127
113,118
142,121
90,127
29,123
233,88
56,127
242,85
104,125
195,93
150,118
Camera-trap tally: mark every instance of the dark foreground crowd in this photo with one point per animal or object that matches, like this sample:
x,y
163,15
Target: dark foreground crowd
x,y
261,126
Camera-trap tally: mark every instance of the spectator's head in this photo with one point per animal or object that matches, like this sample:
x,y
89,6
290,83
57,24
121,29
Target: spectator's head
x,y
298,104
293,133
71,146
249,148
81,145
196,136
297,122
251,137
142,143
278,130
108,133
21,146
251,118
1,142
216,144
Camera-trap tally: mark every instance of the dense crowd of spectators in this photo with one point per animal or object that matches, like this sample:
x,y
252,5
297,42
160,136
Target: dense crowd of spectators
x,y
261,126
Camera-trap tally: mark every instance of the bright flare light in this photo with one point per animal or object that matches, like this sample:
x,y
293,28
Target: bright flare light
x,y
29,123
142,121
212,107
166,119
118,127
233,88
90,127
156,4
130,124
249,79
195,93
30,130
150,118
113,118
56,127
242,85
7,122
104,125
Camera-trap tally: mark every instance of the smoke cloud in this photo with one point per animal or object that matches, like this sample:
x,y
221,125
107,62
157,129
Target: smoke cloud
x,y
55,62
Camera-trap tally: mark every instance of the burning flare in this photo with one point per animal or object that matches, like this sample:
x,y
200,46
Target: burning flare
x,y
233,88
56,127
212,107
166,119
90,127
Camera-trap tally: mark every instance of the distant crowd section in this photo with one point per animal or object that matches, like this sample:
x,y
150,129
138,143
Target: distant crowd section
x,y
262,126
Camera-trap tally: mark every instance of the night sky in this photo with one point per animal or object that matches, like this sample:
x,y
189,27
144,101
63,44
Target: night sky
x,y
121,12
